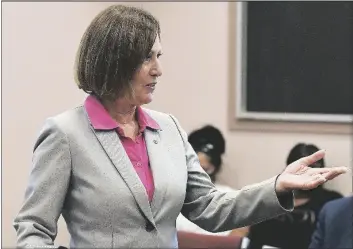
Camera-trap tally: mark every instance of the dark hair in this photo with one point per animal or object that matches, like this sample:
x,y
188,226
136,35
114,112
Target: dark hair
x,y
113,47
302,150
210,141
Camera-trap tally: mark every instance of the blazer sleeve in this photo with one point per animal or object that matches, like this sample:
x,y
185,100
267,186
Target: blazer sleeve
x,y
215,211
36,222
317,238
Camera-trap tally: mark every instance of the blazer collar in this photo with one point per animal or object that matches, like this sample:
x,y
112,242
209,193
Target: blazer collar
x,y
157,153
101,119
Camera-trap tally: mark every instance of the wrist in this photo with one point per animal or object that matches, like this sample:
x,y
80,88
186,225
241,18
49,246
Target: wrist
x,y
280,185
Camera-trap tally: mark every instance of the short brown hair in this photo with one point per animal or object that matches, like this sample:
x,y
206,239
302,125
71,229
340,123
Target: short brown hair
x,y
113,47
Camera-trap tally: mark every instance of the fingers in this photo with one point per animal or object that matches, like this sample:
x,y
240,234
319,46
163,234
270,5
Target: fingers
x,y
315,182
329,173
340,170
315,171
308,160
334,172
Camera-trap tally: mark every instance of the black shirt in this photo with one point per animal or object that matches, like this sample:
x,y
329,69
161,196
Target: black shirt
x,y
292,230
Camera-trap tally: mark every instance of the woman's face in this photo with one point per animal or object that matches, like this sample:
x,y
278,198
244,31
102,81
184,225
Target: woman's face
x,y
205,162
145,79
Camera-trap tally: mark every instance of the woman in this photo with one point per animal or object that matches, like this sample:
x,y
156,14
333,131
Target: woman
x,y
209,145
120,174
294,230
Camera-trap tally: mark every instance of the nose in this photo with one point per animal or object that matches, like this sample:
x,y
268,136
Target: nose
x,y
157,69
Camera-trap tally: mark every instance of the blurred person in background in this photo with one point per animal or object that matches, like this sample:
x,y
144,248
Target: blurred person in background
x,y
334,227
294,230
209,145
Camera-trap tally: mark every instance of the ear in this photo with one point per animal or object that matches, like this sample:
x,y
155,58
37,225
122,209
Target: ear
x,y
210,170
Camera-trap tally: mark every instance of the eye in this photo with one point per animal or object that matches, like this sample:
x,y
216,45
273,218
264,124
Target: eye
x,y
149,57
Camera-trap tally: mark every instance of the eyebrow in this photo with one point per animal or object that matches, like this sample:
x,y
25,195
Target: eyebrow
x,y
156,51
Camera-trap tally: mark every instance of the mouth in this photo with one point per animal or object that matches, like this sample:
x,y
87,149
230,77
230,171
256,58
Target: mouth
x,y
151,86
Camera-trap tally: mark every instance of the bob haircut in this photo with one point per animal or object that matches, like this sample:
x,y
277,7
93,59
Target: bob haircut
x,y
112,49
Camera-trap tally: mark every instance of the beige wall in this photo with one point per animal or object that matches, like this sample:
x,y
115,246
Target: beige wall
x,y
39,45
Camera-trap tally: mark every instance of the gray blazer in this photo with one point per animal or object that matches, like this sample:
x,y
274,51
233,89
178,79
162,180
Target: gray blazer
x,y
86,175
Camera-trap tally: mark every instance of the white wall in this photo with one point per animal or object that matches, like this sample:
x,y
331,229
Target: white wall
x,y
39,45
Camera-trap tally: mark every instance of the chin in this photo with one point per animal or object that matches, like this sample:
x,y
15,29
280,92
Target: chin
x,y
146,100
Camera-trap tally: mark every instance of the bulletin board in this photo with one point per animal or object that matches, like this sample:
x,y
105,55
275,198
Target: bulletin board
x,y
293,64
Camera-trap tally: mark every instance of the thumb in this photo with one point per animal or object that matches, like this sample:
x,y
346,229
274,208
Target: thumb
x,y
308,160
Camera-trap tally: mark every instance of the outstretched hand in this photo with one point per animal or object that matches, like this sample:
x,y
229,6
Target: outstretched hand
x,y
298,175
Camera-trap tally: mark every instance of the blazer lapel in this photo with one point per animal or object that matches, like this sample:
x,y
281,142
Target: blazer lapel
x,y
159,162
113,147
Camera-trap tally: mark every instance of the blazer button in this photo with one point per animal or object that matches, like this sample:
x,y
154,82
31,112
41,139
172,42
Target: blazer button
x,y
155,141
149,227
